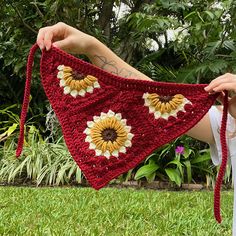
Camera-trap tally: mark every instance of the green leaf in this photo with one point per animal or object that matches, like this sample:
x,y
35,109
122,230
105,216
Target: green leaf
x,y
200,16
175,162
152,156
190,14
11,129
151,177
210,14
146,171
187,163
187,152
229,44
178,164
202,158
174,175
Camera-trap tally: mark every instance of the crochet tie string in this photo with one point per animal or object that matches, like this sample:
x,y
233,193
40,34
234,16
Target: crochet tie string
x,y
224,160
26,98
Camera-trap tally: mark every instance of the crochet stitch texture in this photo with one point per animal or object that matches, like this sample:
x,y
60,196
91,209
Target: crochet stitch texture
x,y
110,124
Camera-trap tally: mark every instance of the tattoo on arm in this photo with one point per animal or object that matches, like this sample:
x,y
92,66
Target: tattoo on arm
x,y
112,68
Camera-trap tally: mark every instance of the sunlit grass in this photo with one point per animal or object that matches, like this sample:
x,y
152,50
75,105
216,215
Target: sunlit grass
x,y
84,211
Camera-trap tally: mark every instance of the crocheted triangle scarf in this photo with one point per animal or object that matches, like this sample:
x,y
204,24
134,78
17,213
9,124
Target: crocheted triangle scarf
x,y
111,124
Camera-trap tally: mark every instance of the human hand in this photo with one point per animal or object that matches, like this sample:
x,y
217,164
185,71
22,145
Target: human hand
x,y
224,82
65,37
221,83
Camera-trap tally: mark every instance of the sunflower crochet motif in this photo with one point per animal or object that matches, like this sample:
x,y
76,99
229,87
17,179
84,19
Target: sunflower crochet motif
x,y
165,106
108,134
75,83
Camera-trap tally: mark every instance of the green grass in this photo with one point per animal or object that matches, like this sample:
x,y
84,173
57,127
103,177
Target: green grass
x,y
84,211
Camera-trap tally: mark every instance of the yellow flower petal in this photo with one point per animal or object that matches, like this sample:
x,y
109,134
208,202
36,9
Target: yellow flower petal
x,y
104,147
68,81
88,82
116,145
179,96
67,69
67,76
99,144
72,84
83,84
91,78
110,146
77,86
173,105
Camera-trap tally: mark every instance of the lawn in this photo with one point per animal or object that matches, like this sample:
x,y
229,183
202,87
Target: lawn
x,y
110,211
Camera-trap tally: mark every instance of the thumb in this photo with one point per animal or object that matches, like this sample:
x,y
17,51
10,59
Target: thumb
x,y
62,44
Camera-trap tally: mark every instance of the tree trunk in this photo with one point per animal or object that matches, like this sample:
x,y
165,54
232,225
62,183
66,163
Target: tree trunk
x,y
105,15
126,51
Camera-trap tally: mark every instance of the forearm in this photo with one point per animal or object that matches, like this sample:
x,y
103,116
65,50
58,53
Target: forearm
x,y
202,130
103,57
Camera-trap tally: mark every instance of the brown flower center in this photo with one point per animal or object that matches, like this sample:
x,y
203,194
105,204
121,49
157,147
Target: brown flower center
x,y
77,76
165,99
109,135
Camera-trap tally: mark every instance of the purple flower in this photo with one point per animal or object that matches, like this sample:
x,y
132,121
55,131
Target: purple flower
x,y
179,150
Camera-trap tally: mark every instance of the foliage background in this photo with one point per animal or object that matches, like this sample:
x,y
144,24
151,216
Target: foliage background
x,y
202,47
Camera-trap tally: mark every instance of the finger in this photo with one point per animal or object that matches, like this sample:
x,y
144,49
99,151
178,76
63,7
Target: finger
x,y
62,44
48,34
216,82
226,78
40,38
48,39
225,86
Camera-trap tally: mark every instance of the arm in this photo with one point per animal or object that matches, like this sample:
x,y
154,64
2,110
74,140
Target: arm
x,y
75,41
104,58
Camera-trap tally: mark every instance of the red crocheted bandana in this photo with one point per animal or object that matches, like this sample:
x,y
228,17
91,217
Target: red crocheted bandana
x,y
111,124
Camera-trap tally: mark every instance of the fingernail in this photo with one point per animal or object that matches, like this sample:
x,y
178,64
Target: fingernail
x,y
41,46
54,45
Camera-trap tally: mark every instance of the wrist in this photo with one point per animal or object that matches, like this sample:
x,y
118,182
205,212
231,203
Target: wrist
x,y
93,47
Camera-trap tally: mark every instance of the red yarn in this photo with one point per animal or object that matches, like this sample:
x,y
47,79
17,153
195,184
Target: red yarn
x,y
224,160
110,123
26,98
